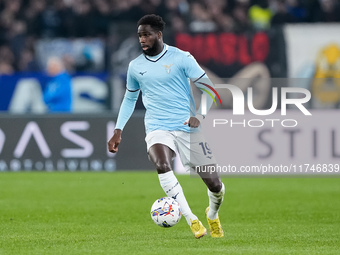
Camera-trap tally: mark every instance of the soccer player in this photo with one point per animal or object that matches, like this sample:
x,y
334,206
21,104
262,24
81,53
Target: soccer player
x,y
172,124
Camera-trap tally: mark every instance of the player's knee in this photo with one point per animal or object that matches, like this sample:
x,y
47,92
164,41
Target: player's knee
x,y
215,185
163,167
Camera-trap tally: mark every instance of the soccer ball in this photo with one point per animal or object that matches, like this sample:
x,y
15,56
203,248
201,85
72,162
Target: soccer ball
x,y
166,212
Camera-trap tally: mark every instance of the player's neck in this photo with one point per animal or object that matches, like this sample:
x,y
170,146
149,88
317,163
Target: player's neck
x,y
160,48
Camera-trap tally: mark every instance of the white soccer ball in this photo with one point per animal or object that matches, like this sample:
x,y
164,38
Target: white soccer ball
x,y
166,212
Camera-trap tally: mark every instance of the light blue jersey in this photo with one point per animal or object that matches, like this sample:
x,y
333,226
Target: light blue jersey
x,y
164,81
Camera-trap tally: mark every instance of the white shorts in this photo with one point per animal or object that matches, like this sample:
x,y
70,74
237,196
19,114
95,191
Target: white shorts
x,y
192,148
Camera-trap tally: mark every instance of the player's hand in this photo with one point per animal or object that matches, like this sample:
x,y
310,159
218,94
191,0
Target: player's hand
x,y
115,141
193,122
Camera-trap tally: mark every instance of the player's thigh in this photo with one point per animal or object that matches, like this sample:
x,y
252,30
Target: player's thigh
x,y
160,154
160,146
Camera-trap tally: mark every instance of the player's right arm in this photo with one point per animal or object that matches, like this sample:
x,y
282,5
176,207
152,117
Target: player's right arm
x,y
126,109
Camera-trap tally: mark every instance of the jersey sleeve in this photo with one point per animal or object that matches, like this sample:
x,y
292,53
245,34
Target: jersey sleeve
x,y
198,76
131,83
129,102
191,67
208,91
126,109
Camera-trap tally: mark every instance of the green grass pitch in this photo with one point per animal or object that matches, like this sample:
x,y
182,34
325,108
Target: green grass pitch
x,y
109,213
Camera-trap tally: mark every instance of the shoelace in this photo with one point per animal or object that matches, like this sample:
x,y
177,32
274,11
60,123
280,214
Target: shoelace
x,y
215,227
196,225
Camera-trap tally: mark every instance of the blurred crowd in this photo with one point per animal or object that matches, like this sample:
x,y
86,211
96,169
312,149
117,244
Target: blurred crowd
x,y
23,22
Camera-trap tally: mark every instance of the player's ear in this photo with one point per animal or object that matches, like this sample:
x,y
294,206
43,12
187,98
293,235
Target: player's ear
x,y
159,34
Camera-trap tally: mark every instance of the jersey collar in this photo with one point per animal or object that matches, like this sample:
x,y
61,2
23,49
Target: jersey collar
x,y
159,56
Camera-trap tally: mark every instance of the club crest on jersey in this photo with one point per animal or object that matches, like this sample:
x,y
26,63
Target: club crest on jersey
x,y
168,68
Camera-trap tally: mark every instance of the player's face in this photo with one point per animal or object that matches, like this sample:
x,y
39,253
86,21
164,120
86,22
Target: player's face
x,y
150,40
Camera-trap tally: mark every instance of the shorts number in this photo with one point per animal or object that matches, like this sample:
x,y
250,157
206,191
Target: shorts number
x,y
205,148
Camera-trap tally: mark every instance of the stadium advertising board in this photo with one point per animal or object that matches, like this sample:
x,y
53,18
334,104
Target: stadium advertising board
x,y
23,93
69,143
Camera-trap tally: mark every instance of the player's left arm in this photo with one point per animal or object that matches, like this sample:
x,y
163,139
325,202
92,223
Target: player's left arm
x,y
208,89
198,76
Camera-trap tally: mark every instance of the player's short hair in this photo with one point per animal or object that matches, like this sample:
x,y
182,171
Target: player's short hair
x,y
156,22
